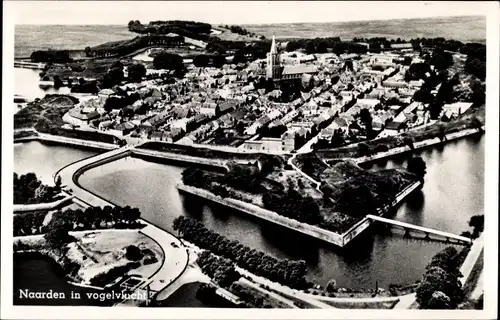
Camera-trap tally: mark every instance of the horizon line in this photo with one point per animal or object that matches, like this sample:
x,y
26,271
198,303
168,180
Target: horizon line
x,y
215,24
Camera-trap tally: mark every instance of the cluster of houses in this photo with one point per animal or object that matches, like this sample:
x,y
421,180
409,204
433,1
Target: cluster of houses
x,y
226,106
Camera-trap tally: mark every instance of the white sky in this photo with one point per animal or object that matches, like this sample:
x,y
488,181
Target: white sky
x,y
231,12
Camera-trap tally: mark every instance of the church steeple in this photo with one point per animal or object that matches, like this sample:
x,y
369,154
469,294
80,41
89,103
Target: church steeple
x,y
274,50
273,70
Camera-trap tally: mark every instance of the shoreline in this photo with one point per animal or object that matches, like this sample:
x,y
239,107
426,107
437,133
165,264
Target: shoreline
x,y
419,145
340,240
331,237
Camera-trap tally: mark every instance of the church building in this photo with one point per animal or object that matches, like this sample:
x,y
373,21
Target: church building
x,y
277,72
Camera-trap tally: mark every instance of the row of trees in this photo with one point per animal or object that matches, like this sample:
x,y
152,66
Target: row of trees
x,y
28,189
90,218
129,46
84,86
192,29
204,60
51,56
220,270
287,272
251,297
120,101
440,287
293,205
169,61
241,177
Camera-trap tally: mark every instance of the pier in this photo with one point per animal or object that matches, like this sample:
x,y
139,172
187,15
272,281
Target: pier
x,y
408,227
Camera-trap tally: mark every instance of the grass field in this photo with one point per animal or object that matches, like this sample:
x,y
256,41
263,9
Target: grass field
x,y
98,252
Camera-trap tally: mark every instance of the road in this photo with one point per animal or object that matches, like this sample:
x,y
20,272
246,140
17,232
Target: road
x,y
176,256
290,162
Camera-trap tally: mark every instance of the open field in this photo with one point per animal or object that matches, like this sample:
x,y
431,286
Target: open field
x,y
465,29
98,252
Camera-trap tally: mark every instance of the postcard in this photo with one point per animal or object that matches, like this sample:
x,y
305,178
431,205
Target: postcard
x,y
243,159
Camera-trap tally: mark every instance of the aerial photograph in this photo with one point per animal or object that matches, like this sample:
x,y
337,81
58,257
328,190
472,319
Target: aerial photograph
x,y
185,162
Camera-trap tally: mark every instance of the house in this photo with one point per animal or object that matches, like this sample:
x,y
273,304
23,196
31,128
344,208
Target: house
x,y
396,127
104,125
342,123
122,129
156,95
208,109
391,83
368,103
447,115
401,46
105,93
226,106
77,116
457,108
176,132
270,145
157,135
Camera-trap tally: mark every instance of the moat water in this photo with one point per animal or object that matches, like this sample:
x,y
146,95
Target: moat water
x,y
452,193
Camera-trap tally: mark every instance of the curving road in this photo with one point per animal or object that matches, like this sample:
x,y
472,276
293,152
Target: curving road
x,y
176,256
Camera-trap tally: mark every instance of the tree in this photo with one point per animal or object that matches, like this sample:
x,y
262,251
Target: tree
x,y
476,123
239,57
478,93
218,61
418,167
442,133
409,141
57,235
310,48
436,279
322,47
136,72
57,82
133,253
447,260
441,60
366,118
88,51
423,95
356,201
439,301
116,75
168,61
201,60
364,149
331,286
477,223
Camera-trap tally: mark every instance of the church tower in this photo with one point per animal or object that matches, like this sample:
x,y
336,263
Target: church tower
x,y
273,69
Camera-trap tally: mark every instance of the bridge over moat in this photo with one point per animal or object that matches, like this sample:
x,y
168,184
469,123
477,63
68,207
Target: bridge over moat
x,y
408,227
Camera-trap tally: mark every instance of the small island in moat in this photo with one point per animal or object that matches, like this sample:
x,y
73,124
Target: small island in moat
x,y
285,132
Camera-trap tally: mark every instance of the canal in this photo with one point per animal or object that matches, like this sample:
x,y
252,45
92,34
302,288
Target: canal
x,y
452,193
